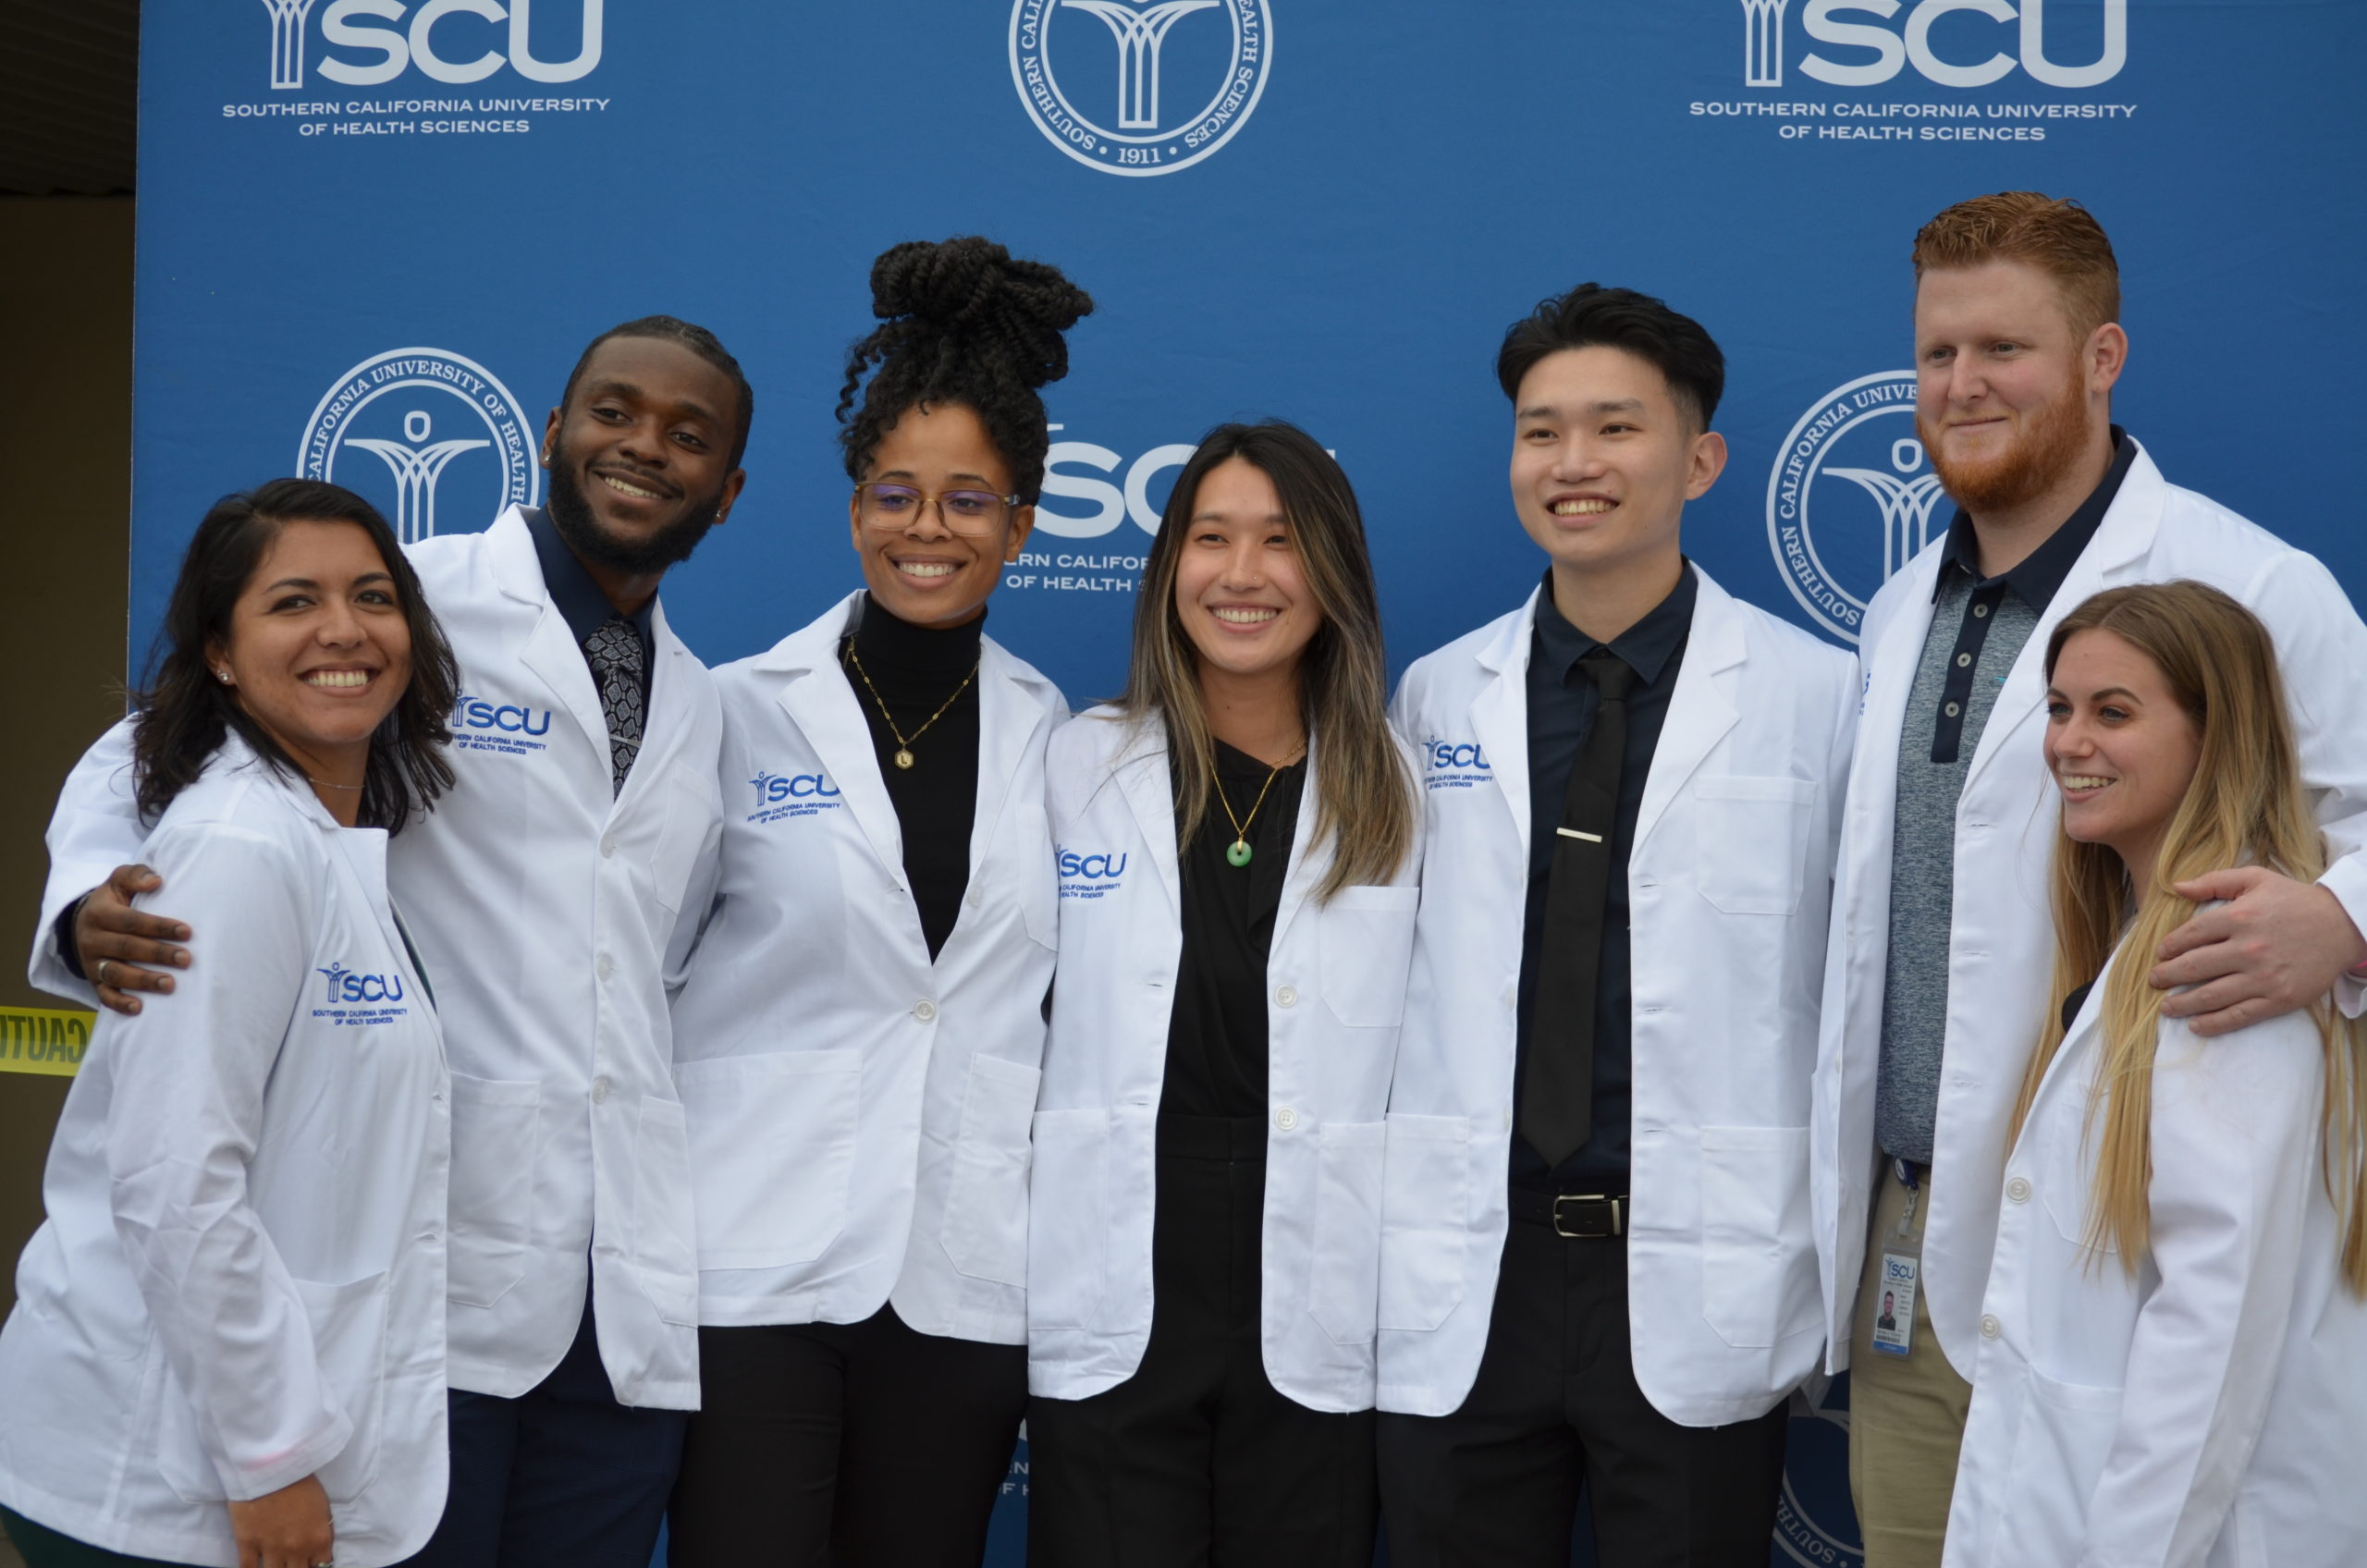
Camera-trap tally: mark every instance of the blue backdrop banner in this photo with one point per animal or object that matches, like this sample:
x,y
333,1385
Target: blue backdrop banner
x,y
374,234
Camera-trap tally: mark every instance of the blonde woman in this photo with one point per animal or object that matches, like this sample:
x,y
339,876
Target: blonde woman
x,y
2172,1361
1236,856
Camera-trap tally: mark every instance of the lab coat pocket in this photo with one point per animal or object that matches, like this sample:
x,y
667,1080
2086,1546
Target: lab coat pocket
x,y
665,1259
687,807
986,1213
496,1141
2065,1434
774,1136
350,1341
1751,842
1067,1232
1344,1290
1425,1218
1759,1278
1366,944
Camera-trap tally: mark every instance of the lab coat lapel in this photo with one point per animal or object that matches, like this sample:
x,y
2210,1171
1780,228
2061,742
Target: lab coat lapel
x,y
1308,865
1500,714
1701,710
550,649
2124,535
1008,715
1140,770
820,699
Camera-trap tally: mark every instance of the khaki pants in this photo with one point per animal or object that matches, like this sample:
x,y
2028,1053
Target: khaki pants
x,y
1907,1414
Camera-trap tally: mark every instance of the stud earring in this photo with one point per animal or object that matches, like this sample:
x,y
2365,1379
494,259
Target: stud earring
x,y
223,676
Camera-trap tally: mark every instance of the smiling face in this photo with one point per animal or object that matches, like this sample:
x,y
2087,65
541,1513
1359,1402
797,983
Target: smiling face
x,y
318,652
640,456
917,569
2121,747
2012,401
1241,589
1604,459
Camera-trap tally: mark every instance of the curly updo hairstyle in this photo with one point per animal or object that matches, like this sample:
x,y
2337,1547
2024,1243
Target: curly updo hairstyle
x,y
962,321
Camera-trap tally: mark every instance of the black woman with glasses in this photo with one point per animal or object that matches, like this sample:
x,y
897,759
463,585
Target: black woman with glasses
x,y
859,1025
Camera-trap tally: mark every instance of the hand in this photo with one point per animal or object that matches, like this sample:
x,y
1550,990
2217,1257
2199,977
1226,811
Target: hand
x,y
2273,947
289,1528
112,939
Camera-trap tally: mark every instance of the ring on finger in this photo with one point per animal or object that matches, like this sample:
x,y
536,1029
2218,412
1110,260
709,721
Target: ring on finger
x,y
101,973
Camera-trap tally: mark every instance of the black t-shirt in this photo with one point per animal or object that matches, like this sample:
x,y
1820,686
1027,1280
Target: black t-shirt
x,y
915,668
1216,1037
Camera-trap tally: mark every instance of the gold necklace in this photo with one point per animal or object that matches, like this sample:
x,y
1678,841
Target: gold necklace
x,y
904,741
1239,852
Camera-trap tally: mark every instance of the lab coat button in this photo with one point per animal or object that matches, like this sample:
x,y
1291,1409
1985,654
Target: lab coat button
x,y
926,1010
1286,1119
1990,1326
608,967
2018,1189
1287,995
607,845
599,1091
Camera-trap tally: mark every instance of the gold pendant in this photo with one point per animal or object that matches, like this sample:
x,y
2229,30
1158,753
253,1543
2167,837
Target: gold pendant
x,y
903,759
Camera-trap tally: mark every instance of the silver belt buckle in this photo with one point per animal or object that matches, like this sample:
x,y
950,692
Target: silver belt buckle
x,y
1594,1225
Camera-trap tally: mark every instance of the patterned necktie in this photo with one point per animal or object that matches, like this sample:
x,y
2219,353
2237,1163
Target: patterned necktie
x,y
1557,1098
614,651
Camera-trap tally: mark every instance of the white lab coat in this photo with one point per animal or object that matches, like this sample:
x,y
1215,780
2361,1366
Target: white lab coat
x,y
543,906
240,1282
859,1114
1728,887
1336,974
2001,948
2212,1410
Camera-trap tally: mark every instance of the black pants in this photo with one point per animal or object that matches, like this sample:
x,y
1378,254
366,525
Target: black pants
x,y
858,1445
562,1475
1495,1485
1196,1459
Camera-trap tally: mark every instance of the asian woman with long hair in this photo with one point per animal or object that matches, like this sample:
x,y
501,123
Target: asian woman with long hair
x,y
1237,860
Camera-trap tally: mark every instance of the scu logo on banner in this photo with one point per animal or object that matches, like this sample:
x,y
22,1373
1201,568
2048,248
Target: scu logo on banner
x,y
1851,499
440,440
1140,87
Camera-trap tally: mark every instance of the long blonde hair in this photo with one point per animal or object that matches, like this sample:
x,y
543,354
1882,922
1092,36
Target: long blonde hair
x,y
1364,795
2245,803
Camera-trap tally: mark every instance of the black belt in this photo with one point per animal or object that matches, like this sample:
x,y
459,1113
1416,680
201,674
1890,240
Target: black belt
x,y
1577,1215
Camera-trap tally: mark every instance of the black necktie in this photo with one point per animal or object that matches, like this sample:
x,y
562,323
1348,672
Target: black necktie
x,y
614,652
1557,1097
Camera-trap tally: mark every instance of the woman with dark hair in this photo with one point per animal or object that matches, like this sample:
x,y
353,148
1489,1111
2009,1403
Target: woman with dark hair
x,y
1238,852
228,1342
857,1034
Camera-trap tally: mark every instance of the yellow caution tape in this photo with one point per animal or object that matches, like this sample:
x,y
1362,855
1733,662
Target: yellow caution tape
x,y
36,1040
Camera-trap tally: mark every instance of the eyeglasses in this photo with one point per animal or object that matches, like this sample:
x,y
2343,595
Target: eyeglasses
x,y
972,512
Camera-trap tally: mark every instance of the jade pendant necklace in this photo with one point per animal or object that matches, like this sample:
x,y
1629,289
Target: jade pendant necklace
x,y
1237,853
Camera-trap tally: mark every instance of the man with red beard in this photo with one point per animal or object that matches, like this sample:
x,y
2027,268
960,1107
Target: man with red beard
x,y
1937,978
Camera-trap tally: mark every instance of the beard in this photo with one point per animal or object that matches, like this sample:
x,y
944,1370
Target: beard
x,y
572,515
2047,448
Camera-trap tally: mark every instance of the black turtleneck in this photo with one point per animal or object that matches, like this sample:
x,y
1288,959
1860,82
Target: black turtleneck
x,y
915,668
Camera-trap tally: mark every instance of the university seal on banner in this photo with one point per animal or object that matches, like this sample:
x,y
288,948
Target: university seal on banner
x,y
1140,87
417,430
1850,499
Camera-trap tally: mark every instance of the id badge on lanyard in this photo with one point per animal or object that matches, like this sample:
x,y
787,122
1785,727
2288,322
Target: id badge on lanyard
x,y
1902,1272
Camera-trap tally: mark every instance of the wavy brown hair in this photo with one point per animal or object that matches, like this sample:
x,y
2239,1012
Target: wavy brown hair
x,y
2245,804
184,714
1364,795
